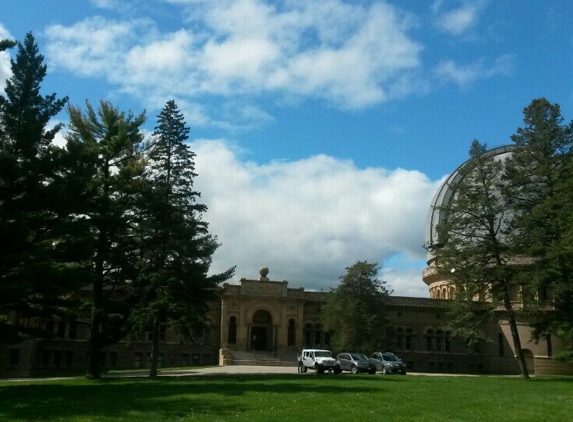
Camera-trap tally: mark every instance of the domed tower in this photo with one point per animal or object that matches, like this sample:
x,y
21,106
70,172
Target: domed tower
x,y
438,284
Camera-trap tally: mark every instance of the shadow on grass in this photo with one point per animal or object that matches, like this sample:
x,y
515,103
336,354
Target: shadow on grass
x,y
166,398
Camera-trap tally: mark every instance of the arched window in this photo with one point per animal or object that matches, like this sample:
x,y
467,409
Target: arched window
x,y
232,337
291,337
408,344
430,340
439,341
448,342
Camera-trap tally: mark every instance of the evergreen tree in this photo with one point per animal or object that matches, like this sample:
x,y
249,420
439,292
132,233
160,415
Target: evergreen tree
x,y
175,245
355,311
475,249
540,181
38,265
104,171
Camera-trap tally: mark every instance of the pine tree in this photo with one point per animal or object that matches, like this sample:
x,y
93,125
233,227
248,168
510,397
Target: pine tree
x,y
175,245
355,311
540,182
476,251
104,171
38,261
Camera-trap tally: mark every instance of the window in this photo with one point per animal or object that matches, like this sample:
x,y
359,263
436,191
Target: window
x,y
447,342
408,339
439,340
430,340
326,339
137,360
206,337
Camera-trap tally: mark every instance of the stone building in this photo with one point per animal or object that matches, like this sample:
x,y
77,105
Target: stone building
x,y
260,321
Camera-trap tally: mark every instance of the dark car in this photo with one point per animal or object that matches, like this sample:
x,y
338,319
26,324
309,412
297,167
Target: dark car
x,y
388,363
355,363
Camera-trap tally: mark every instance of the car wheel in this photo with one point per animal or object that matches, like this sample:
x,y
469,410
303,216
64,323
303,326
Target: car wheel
x,y
354,369
384,371
337,370
372,371
304,369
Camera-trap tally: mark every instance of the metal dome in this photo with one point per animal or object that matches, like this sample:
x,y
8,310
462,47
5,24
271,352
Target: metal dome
x,y
445,194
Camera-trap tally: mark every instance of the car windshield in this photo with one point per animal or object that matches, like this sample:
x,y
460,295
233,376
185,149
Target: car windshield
x,y
358,356
324,354
391,358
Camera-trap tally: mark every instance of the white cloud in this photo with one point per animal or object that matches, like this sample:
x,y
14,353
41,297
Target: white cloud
x,y
5,68
350,55
309,219
464,75
104,4
458,20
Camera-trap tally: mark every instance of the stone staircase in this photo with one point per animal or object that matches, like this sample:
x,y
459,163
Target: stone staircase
x,y
261,358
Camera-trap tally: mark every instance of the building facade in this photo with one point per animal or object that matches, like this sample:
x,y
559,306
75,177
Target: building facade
x,y
260,320
267,320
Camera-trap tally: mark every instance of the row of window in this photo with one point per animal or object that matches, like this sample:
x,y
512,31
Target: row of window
x,y
436,340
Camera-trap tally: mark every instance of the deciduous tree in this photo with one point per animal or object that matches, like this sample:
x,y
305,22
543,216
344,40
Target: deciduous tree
x,y
355,311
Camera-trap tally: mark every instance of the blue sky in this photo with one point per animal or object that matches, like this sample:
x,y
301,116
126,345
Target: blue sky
x,y
322,128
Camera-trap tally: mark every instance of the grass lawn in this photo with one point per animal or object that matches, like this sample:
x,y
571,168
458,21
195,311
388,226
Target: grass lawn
x,y
296,397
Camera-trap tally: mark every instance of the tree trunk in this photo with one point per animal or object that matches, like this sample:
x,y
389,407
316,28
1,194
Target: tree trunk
x,y
154,348
94,346
515,336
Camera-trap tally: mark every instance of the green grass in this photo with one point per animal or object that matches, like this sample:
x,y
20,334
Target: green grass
x,y
288,397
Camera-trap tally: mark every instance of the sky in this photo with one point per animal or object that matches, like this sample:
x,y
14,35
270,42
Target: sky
x,y
322,128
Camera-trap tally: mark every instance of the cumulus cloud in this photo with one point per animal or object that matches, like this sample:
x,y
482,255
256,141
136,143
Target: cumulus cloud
x,y
464,75
349,55
5,69
308,220
457,20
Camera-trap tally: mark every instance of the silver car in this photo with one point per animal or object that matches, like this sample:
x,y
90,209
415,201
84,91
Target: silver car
x,y
355,363
388,363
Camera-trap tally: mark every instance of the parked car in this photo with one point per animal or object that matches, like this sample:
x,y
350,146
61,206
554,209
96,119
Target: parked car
x,y
388,363
355,363
318,360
